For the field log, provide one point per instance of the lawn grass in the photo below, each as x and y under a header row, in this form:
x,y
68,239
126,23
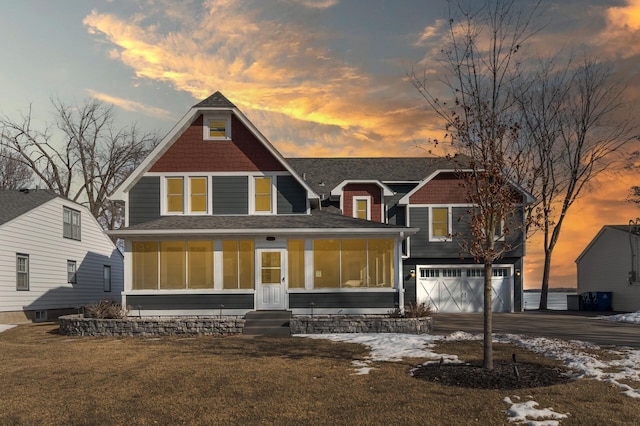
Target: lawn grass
x,y
49,379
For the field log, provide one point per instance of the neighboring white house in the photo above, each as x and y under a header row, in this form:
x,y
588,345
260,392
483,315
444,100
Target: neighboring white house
x,y
54,257
611,263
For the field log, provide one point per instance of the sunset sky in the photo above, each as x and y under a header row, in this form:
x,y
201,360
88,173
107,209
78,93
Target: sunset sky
x,y
317,77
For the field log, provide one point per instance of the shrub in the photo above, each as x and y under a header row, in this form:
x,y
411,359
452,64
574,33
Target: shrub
x,y
104,309
418,310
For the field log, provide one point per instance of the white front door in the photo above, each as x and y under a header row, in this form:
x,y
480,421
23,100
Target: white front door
x,y
272,279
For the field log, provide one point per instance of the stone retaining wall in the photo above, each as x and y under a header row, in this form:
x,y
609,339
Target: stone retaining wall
x,y
75,325
323,324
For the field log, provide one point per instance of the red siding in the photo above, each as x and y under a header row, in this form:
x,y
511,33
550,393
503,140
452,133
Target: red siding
x,y
445,188
191,153
363,189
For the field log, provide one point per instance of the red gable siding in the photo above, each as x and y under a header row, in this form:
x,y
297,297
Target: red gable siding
x,y
363,189
445,188
191,153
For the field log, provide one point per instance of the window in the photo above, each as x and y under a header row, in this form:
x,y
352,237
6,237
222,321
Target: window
x,y
238,264
71,272
71,223
217,128
263,195
361,207
439,224
362,263
296,263
145,265
173,264
175,198
106,278
22,272
200,270
198,194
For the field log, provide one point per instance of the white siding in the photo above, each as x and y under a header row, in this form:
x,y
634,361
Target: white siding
x,y
38,233
604,267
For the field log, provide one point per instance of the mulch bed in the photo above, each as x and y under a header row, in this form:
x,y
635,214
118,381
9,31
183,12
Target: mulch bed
x,y
472,375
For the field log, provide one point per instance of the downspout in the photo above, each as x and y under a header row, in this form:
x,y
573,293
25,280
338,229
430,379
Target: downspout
x,y
400,273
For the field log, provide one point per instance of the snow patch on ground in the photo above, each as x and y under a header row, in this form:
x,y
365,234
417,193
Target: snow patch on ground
x,y
5,327
633,318
526,413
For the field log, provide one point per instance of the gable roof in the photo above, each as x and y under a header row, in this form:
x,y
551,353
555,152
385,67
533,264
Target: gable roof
x,y
325,174
216,102
627,229
15,203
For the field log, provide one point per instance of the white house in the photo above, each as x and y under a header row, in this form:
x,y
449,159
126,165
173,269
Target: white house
x,y
610,263
54,257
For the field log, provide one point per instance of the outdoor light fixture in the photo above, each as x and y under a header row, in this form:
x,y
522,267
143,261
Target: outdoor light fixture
x,y
518,273
271,238
413,273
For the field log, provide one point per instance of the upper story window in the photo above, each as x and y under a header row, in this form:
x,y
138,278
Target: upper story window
x,y
72,277
217,127
71,223
263,195
439,224
198,194
175,194
362,207
22,271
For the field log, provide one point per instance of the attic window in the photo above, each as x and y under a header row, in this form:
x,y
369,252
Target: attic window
x,y
217,127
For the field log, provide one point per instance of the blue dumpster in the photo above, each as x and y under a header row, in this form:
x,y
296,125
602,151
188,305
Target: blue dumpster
x,y
601,300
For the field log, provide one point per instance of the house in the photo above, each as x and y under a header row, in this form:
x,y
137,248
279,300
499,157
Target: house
x,y
218,221
54,257
610,263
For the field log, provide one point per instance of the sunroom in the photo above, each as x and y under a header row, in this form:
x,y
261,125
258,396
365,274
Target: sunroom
x,y
322,263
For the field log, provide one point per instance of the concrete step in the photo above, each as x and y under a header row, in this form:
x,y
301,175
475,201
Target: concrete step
x,y
273,323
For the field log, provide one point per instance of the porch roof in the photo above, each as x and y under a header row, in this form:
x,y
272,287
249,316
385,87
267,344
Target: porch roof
x,y
320,222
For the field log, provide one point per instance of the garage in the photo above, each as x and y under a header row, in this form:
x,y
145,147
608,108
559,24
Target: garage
x,y
460,288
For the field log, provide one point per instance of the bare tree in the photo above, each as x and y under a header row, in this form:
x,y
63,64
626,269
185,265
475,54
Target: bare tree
x,y
83,156
576,119
479,66
14,174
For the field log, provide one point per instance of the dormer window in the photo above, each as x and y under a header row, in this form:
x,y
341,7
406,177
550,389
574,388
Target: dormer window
x,y
362,207
217,127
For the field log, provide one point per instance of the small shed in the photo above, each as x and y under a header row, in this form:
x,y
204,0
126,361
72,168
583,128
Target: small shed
x,y
611,263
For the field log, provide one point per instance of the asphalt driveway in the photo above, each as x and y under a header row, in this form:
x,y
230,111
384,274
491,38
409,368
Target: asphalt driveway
x,y
566,325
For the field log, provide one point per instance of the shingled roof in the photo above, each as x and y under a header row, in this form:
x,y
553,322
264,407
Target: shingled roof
x,y
217,100
324,174
14,203
319,220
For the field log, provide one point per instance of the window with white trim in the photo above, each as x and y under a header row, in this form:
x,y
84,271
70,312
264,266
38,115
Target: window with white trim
x,y
263,194
362,207
174,195
198,195
22,271
72,272
70,223
217,127
439,223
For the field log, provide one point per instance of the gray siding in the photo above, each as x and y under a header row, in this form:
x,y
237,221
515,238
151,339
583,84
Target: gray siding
x,y
144,200
344,300
422,247
397,215
189,301
230,195
292,197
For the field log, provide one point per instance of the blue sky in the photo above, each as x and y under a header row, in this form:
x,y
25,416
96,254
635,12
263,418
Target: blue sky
x,y
317,77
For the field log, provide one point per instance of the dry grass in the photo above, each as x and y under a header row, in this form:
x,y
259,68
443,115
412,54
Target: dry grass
x,y
46,379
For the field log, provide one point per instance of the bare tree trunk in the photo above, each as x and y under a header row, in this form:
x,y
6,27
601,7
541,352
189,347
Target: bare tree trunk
x,y
487,362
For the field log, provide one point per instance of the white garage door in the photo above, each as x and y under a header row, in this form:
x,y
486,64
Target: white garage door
x,y
460,289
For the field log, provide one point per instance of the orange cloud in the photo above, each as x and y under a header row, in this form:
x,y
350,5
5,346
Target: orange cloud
x,y
130,105
620,37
